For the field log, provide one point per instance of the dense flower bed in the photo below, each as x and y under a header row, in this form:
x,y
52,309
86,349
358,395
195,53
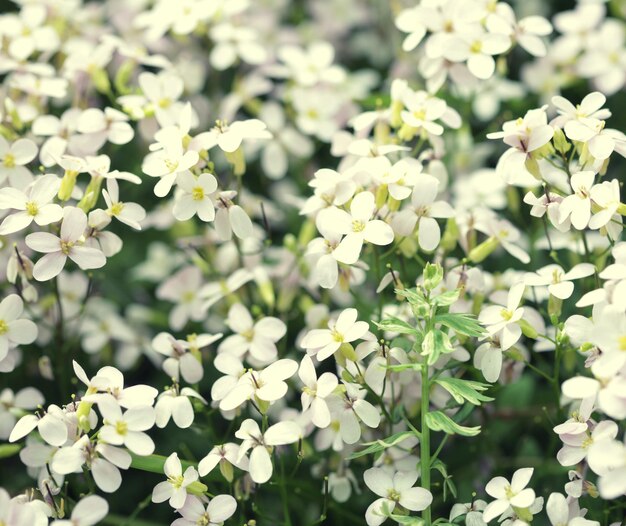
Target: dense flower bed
x,y
300,263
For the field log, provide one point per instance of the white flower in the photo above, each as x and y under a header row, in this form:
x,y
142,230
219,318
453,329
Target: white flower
x,y
176,404
589,108
577,206
183,288
558,281
14,330
108,125
217,290
231,218
175,487
226,456
103,461
168,162
352,409
108,385
508,494
476,47
219,509
87,512
51,426
324,342
524,136
13,160
232,42
261,444
230,136
577,445
560,513
393,488
422,110
357,227
267,385
130,214
607,458
183,357
34,205
411,21
68,245
502,321
488,358
315,391
195,198
311,66
11,403
257,338
127,429
423,211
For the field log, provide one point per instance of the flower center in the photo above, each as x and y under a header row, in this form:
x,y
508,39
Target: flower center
x,y
66,247
582,192
171,165
116,209
506,314
197,194
476,46
9,160
419,114
176,481
337,336
358,226
556,277
248,335
4,327
587,442
622,343
121,427
393,494
32,208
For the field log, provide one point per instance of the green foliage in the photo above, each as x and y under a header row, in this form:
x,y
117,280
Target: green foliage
x,y
381,445
438,421
465,390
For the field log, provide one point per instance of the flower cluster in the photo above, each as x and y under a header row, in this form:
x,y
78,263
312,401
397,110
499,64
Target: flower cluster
x,y
282,262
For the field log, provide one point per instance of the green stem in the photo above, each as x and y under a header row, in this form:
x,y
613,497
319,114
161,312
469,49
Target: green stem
x,y
425,440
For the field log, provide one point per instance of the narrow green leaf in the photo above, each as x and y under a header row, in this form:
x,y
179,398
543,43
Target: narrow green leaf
x,y
438,421
446,298
464,390
406,520
9,450
461,323
380,445
155,463
393,324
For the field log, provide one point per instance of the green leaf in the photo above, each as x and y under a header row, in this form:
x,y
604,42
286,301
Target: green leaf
x,y
435,343
403,367
462,323
155,463
393,324
381,445
414,297
9,450
438,421
406,520
446,298
465,390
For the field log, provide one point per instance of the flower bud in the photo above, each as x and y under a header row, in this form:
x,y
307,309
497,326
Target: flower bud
x,y
479,253
560,142
67,185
